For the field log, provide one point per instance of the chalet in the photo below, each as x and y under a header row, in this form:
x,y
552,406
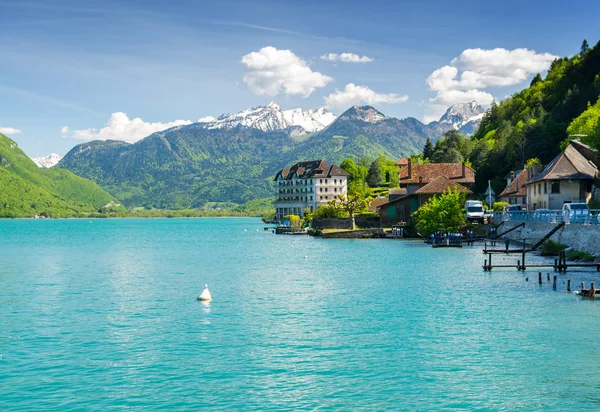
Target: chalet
x,y
516,188
566,179
415,176
400,209
307,185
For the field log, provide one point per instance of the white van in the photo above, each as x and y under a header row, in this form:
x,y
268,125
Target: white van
x,y
474,211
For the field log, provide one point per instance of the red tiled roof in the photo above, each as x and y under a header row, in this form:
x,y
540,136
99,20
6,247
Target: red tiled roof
x,y
439,185
517,187
429,171
402,162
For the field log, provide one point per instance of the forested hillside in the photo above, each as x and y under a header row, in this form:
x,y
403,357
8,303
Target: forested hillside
x,y
534,122
27,190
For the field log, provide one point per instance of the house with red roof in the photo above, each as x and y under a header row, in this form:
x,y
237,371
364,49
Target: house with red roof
x,y
515,192
420,182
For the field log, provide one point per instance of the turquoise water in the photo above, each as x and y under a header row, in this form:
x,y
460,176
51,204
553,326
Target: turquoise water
x,y
103,315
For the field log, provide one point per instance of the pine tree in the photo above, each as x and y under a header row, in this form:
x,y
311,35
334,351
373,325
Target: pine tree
x,y
584,47
374,177
428,150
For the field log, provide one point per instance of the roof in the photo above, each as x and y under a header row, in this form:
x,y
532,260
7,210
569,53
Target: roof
x,y
575,163
310,169
375,203
517,186
402,162
430,171
397,191
439,185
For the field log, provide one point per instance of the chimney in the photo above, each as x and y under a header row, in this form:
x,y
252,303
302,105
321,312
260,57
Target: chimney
x,y
464,170
420,182
409,169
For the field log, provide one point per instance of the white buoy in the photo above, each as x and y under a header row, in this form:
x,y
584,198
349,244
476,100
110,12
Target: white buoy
x,y
205,295
245,230
305,257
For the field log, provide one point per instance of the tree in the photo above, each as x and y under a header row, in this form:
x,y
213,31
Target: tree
x,y
296,222
536,79
453,147
428,150
374,177
584,47
357,172
353,204
444,212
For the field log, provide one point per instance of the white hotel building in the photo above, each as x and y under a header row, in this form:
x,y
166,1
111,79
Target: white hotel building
x,y
307,185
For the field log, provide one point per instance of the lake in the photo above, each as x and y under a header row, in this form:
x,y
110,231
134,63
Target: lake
x,y
103,314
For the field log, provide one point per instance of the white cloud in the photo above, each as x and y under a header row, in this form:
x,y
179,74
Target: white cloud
x,y
9,131
121,127
354,95
271,71
207,119
477,69
346,58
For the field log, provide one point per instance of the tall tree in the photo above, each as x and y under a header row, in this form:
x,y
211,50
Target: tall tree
x,y
584,47
374,177
352,204
428,150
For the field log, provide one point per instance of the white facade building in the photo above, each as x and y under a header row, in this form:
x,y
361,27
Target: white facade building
x,y
307,185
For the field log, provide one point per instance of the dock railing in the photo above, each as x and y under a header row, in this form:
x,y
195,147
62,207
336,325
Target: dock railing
x,y
552,216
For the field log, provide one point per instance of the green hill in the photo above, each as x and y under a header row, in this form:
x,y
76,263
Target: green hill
x,y
29,190
535,121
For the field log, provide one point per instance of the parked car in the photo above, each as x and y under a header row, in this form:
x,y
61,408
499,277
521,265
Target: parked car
x,y
474,211
576,212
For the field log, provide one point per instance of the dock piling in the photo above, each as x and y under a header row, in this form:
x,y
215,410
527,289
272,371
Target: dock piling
x,y
568,285
539,278
592,290
548,277
554,283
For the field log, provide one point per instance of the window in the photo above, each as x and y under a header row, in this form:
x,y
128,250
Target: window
x,y
540,188
335,189
334,181
325,189
325,181
321,197
320,189
534,190
320,180
555,188
545,188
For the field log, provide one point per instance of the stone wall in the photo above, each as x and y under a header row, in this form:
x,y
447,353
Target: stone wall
x,y
327,223
578,236
356,234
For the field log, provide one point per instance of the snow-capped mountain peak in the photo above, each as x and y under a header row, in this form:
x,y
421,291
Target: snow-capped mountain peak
x,y
460,114
47,161
272,117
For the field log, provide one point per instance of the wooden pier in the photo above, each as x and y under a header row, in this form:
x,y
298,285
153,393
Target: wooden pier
x,y
560,264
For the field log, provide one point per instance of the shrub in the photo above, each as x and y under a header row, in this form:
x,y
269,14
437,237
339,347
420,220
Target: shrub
x,y
579,255
499,206
444,212
551,248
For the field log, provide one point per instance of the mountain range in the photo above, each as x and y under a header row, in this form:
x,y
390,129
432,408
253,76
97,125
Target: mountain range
x,y
234,157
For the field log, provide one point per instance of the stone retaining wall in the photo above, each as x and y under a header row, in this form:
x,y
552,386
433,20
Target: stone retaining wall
x,y
578,236
356,234
327,223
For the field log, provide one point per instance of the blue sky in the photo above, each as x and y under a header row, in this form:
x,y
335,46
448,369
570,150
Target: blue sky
x,y
75,63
